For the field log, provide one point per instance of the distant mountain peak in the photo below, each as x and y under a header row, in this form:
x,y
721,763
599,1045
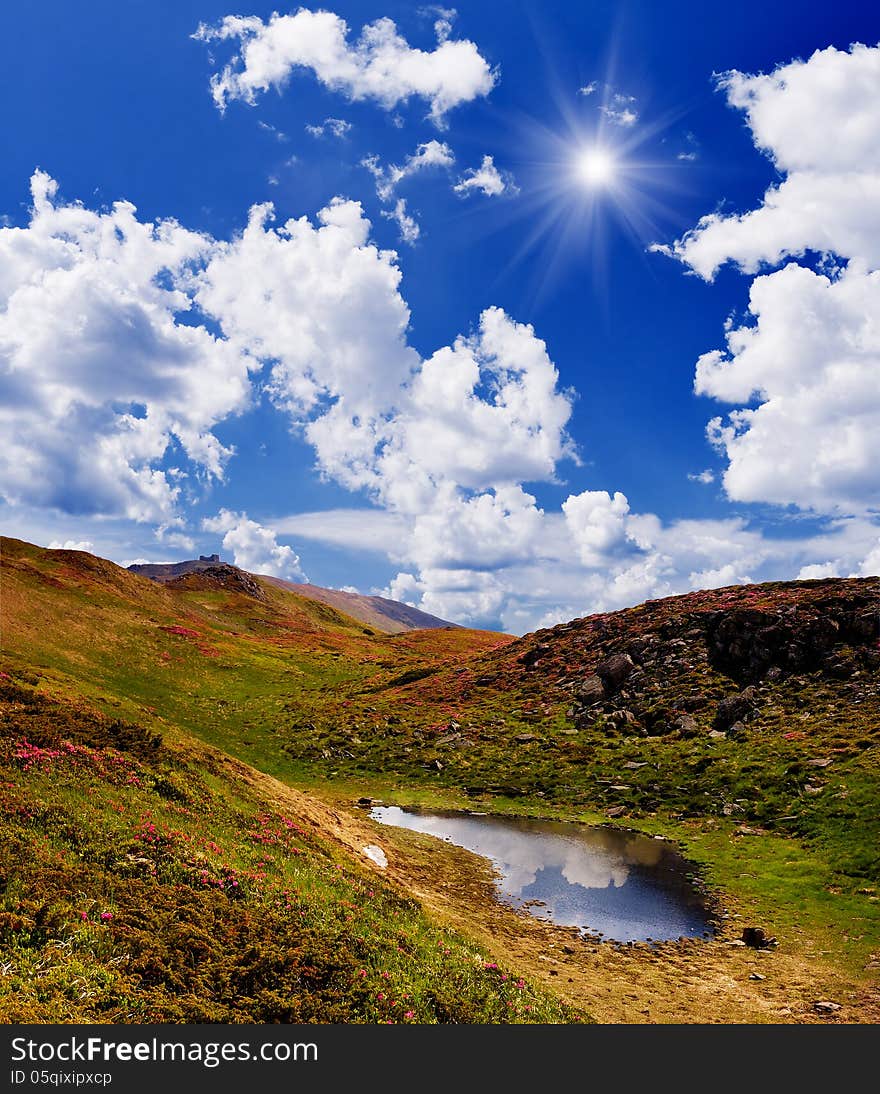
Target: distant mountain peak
x,y
378,612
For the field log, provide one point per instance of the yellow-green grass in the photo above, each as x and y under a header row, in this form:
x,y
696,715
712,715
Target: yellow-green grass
x,y
303,693
140,882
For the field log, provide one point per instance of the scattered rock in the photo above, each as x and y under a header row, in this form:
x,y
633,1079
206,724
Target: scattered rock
x,y
614,671
840,665
733,710
615,811
747,642
631,765
531,657
375,854
686,725
757,938
590,691
525,738
756,976
454,740
825,1006
222,576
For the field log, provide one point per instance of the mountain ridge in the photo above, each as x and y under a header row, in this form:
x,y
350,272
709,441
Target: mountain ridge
x,y
388,616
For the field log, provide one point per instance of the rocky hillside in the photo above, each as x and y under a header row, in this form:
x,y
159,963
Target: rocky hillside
x,y
711,662
758,703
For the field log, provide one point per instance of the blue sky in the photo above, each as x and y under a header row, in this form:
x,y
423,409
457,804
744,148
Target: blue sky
x,y
478,390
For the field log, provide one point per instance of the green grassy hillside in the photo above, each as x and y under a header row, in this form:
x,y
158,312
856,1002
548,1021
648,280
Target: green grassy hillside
x,y
743,723
236,670
146,882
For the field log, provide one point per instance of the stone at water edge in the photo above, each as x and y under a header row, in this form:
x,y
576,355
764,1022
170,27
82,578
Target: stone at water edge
x,y
757,938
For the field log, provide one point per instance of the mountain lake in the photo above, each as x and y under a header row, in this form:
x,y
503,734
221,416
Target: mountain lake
x,y
618,885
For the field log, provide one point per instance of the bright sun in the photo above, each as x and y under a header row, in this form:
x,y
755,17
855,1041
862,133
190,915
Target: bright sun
x,y
595,167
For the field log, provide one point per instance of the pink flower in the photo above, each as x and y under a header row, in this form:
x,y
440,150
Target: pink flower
x,y
410,1014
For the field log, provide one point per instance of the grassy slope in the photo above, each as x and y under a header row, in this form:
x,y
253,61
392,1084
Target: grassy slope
x,y
145,882
442,717
233,670
142,879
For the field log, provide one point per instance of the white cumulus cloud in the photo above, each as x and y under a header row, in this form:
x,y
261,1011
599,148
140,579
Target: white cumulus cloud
x,y
380,65
811,359
596,522
388,177
805,365
620,110
819,122
71,545
335,127
254,547
406,223
320,302
431,153
103,371
486,179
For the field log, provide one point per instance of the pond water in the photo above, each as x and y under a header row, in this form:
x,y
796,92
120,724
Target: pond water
x,y
621,885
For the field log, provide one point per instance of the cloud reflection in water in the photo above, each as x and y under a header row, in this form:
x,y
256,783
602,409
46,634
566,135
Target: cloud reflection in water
x,y
626,886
